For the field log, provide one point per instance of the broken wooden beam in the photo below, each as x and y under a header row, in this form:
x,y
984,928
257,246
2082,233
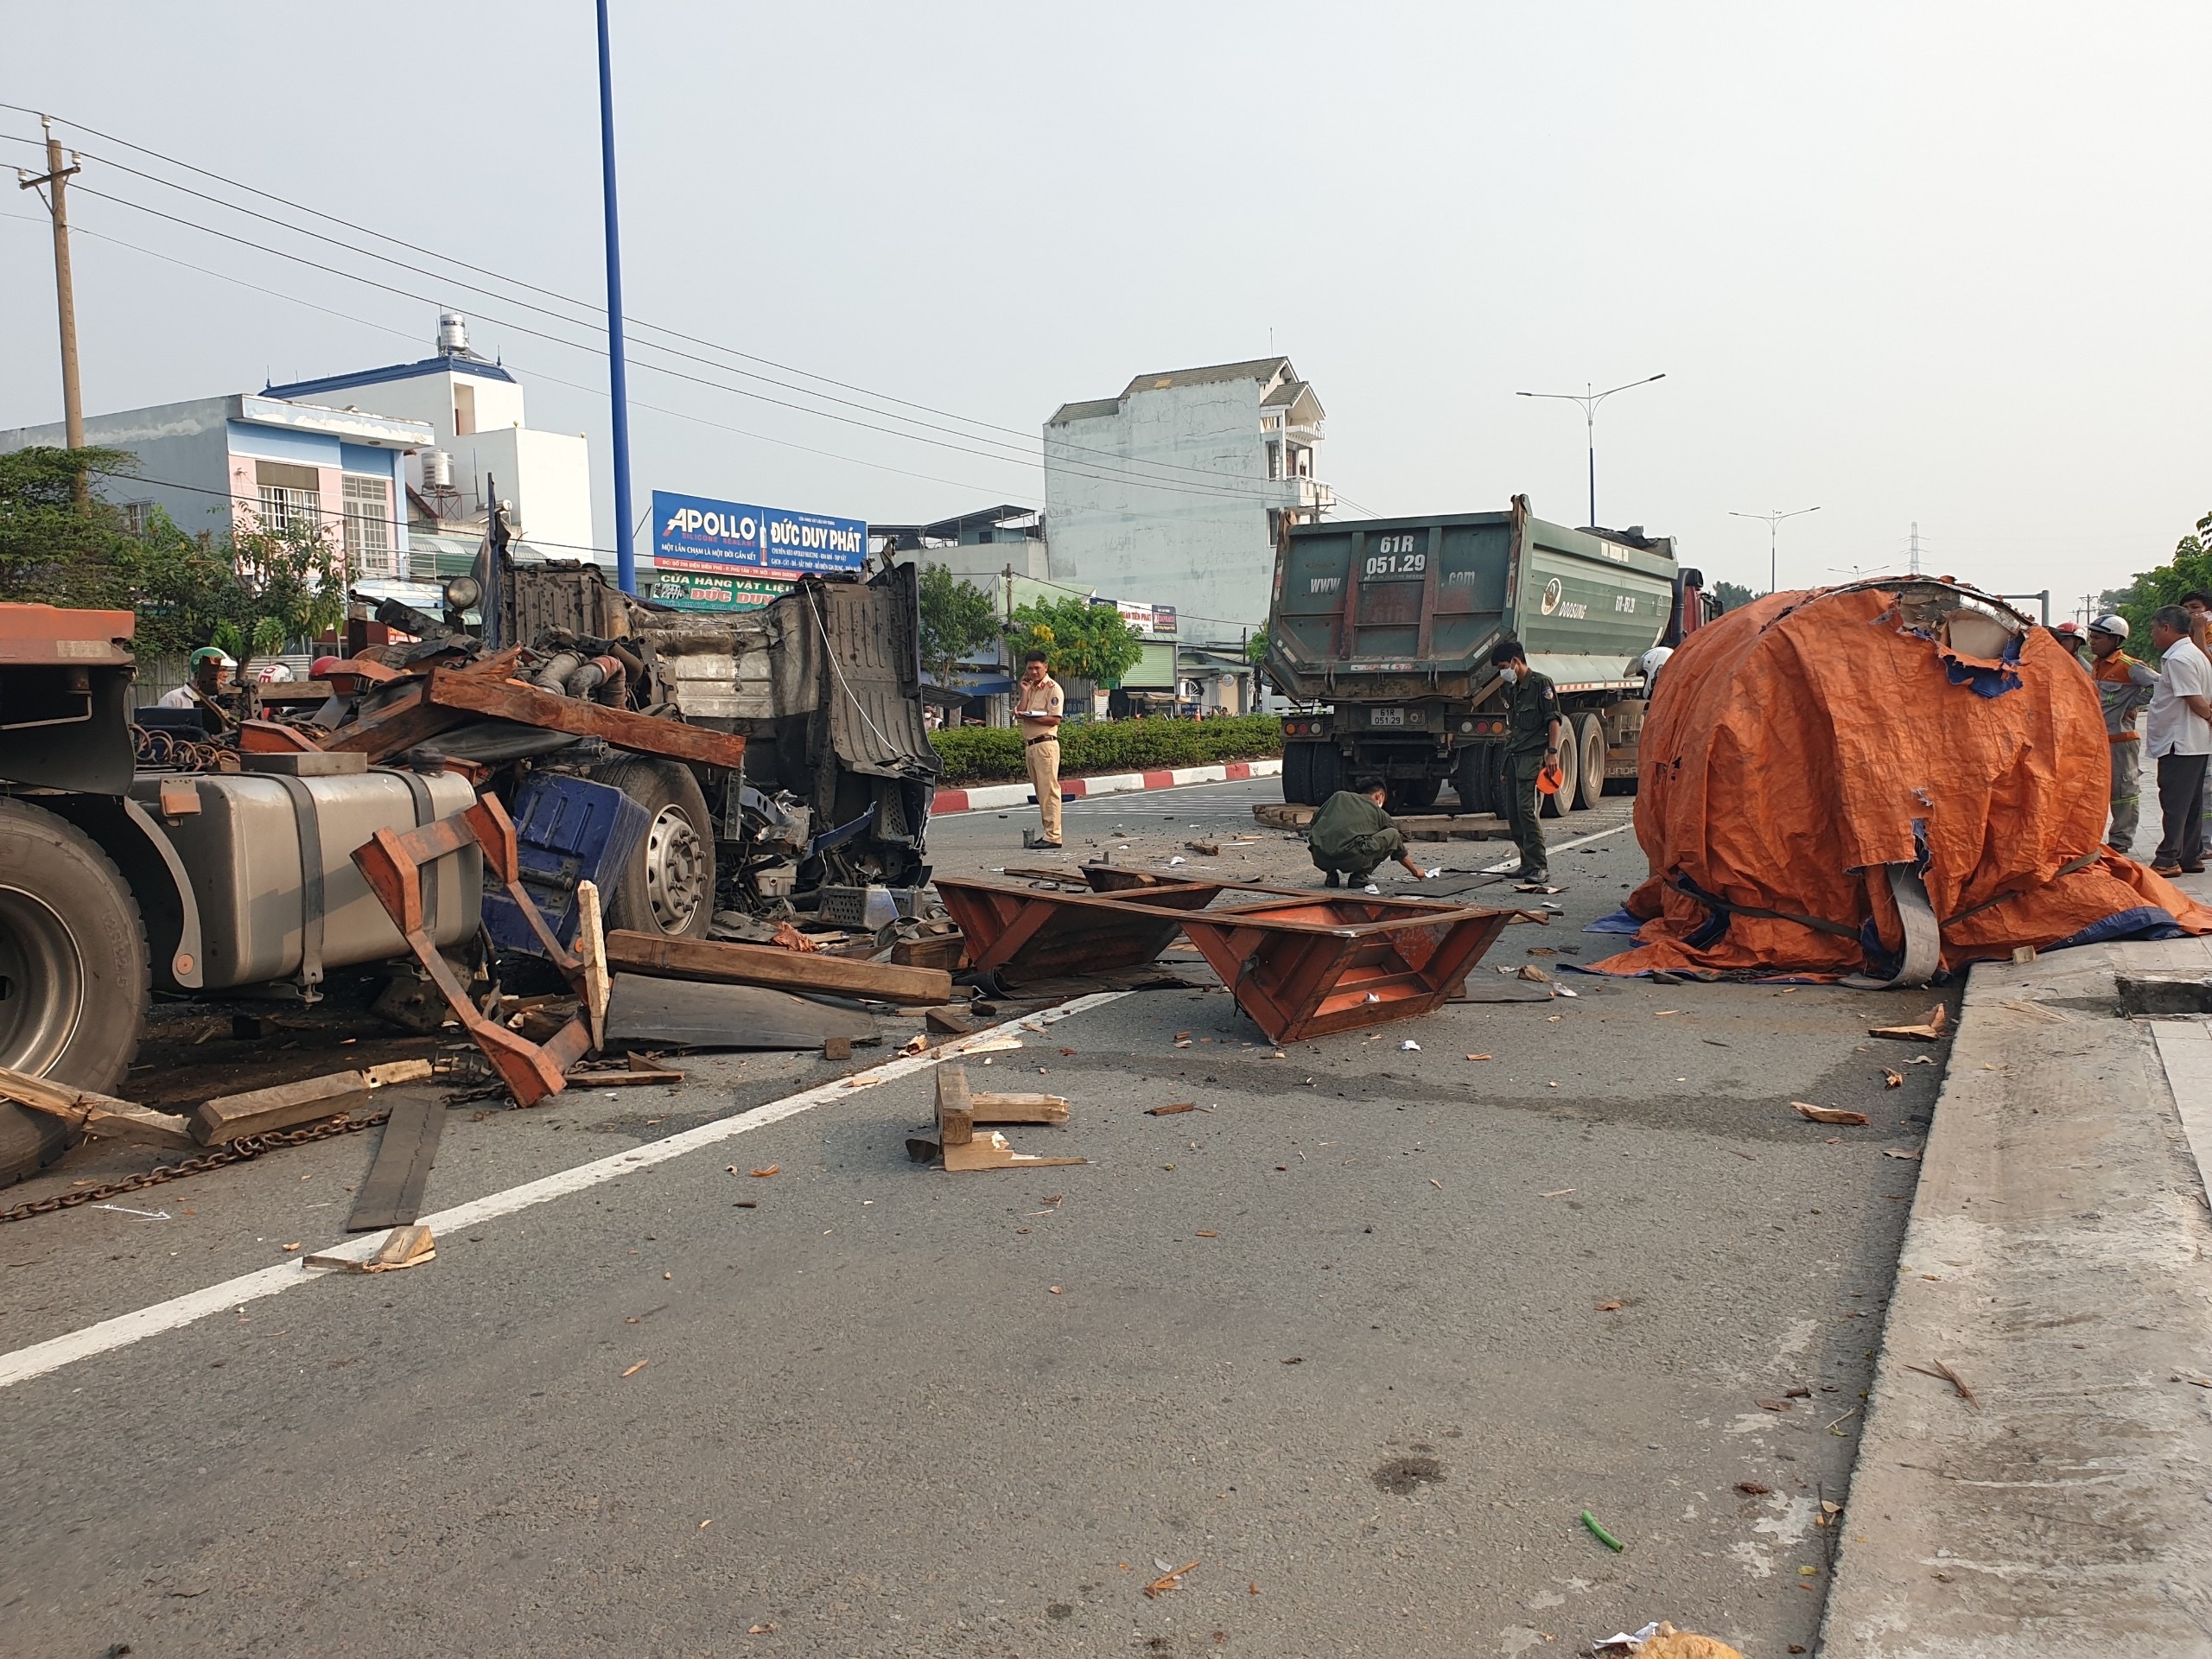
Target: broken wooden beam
x,y
946,951
959,1109
259,1111
96,1114
505,699
719,963
590,946
1017,1109
405,1247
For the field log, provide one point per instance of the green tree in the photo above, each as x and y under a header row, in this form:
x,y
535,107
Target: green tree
x,y
957,618
2190,568
1255,648
1732,596
54,549
1080,640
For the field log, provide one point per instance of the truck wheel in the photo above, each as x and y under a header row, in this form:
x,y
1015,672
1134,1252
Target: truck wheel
x,y
1470,779
668,888
1591,739
1298,774
1414,794
73,977
1326,774
1570,768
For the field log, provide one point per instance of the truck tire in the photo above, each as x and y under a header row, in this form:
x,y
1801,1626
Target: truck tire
x,y
668,888
1570,768
73,973
1470,779
1591,740
1298,774
1414,794
1326,776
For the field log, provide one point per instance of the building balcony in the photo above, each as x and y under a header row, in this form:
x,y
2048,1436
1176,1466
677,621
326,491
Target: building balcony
x,y
1308,494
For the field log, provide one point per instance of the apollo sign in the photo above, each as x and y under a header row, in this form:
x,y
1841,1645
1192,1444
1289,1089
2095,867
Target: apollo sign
x,y
747,553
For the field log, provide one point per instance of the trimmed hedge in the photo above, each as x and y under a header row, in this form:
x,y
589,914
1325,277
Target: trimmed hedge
x,y
979,755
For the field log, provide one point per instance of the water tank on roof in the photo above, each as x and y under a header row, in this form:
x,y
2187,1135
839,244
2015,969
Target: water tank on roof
x,y
453,331
437,470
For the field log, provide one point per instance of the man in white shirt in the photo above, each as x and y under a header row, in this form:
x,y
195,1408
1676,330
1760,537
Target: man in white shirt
x,y
1036,708
2179,738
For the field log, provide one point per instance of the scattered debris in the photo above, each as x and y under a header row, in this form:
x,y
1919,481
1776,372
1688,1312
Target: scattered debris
x,y
717,963
98,1115
1614,1307
1172,1108
958,1110
1203,849
635,1369
1892,1079
1931,1028
764,1172
406,1247
836,1048
230,1117
1478,1057
1752,1488
1169,1581
644,1011
1828,1114
1601,1535
1534,973
1409,1046
1944,1373
1899,1152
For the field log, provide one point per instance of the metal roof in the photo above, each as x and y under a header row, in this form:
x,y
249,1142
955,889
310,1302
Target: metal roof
x,y
1272,372
443,362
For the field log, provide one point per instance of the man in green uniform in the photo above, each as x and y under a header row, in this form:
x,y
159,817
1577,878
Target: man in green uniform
x,y
1532,745
1351,834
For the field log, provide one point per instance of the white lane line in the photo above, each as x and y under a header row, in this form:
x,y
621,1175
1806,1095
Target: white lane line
x,y
1562,847
124,1329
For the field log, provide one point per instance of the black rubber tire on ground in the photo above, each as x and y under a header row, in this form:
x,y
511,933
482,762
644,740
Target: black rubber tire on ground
x,y
74,974
1590,732
668,888
1472,769
1327,774
1298,774
1558,805
1414,794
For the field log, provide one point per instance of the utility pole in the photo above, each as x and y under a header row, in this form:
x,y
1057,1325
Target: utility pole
x,y
617,374
56,178
1590,398
1773,521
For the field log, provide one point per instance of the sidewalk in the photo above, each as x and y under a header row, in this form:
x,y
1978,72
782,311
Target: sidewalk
x,y
994,796
2059,1260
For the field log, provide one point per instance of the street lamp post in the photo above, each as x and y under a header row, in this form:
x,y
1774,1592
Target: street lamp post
x,y
1590,399
618,377
1772,521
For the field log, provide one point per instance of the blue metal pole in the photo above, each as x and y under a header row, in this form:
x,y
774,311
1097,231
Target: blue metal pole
x,y
617,377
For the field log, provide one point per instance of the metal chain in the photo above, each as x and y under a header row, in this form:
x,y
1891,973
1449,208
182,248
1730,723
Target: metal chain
x,y
233,1152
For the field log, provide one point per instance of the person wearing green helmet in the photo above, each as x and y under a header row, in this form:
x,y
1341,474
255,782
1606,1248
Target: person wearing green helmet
x,y
209,664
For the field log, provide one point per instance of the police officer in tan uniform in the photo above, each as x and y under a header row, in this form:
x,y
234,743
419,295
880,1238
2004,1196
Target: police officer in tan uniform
x,y
1036,708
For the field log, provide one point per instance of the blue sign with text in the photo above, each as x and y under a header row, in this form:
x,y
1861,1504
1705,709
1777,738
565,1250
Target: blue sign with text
x,y
730,537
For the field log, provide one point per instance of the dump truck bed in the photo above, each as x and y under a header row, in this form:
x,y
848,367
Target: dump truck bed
x,y
1397,608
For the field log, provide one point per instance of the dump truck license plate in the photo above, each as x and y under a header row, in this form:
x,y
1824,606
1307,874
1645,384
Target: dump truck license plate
x,y
1387,717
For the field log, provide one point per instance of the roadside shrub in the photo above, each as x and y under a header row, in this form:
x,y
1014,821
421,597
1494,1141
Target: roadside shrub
x,y
981,754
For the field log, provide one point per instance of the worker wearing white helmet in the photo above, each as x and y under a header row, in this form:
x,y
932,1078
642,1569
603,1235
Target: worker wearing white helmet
x,y
2124,685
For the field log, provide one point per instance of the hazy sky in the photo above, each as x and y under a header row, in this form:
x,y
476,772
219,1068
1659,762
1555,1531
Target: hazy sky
x,y
1918,262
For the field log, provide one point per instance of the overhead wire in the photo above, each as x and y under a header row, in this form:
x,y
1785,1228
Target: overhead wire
x,y
1202,474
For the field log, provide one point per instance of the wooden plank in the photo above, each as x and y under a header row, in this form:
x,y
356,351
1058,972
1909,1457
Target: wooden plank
x,y
720,962
230,1117
503,699
391,1194
391,1071
952,1020
407,719
989,1151
98,1114
956,1119
946,951
590,946
1017,1109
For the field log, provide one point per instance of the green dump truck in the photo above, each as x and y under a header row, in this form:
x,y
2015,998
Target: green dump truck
x,y
1381,631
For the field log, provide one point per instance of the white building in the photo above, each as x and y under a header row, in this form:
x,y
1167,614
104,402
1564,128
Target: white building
x,y
216,461
473,408
1174,493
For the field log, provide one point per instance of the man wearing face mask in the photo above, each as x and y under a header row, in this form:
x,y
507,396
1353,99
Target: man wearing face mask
x,y
1532,745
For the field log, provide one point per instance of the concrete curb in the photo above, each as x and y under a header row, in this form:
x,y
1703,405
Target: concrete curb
x,y
2059,1260
994,796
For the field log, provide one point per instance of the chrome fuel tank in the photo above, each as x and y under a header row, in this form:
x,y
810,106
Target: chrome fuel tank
x,y
242,848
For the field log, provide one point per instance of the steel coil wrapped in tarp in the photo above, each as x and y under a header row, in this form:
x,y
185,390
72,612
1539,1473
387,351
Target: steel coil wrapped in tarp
x,y
1814,763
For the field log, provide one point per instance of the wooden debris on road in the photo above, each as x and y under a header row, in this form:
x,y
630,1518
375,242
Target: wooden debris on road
x,y
590,947
392,1071
1943,1373
98,1114
951,1020
960,1109
391,1194
408,1246
1827,1113
948,951
1931,1028
718,962
1202,848
1167,1582
232,1117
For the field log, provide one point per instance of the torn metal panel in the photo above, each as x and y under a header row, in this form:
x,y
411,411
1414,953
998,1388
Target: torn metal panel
x,y
686,1014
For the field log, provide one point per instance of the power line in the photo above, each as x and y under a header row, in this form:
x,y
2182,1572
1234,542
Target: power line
x,y
1197,473
1229,491
552,379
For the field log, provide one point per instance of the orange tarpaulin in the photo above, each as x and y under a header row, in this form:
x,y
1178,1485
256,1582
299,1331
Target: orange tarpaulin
x,y
1800,749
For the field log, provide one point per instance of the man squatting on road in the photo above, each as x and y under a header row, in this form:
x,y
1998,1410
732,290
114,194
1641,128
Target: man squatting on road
x,y
1531,745
1352,835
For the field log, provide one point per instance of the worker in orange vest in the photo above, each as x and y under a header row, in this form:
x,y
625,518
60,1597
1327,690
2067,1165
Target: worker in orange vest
x,y
2124,685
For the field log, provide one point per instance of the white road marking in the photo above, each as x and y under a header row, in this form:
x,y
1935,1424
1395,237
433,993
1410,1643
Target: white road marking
x,y
52,1355
1562,847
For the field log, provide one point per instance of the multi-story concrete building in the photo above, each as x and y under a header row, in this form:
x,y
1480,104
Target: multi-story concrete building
x,y
473,408
1174,493
216,461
